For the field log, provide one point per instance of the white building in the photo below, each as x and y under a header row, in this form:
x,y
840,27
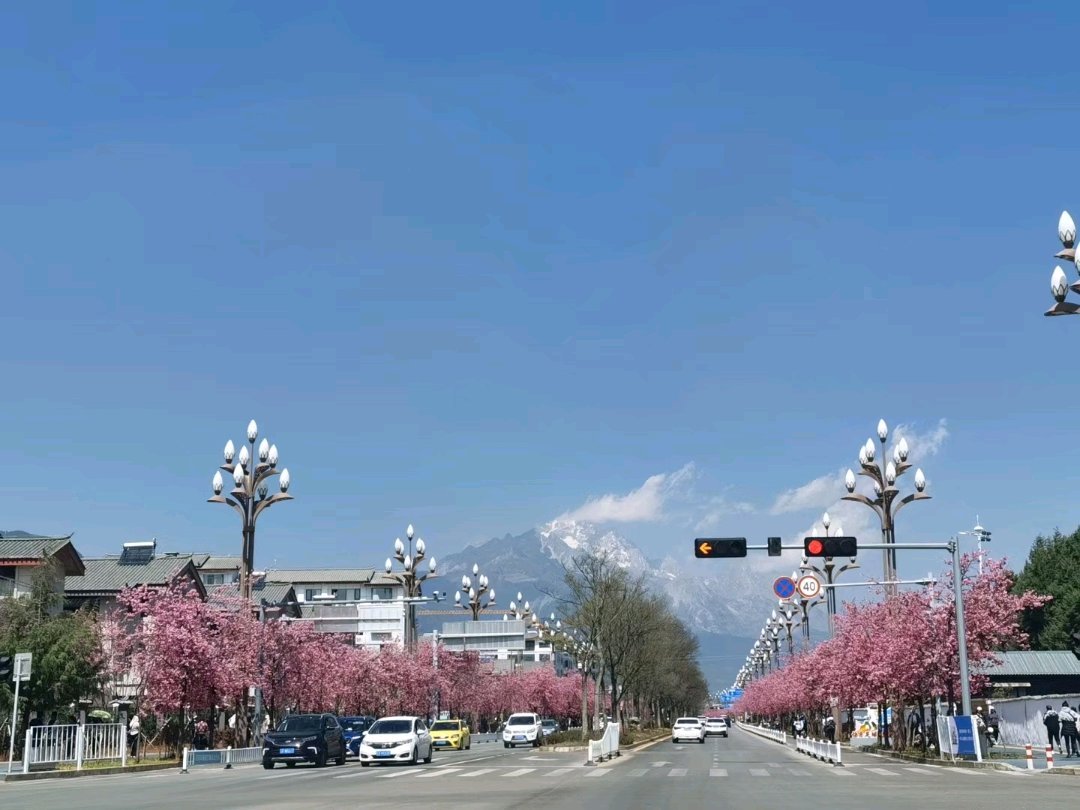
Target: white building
x,y
510,645
363,602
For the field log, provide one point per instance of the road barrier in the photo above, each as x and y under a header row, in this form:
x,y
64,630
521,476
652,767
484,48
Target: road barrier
x,y
1030,757
768,733
1049,757
606,746
74,743
819,749
226,757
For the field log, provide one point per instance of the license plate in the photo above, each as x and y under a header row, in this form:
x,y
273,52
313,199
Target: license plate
x,y
442,742
288,750
382,753
519,737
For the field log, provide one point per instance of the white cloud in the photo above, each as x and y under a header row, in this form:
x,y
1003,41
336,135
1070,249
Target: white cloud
x,y
817,494
718,507
921,445
644,504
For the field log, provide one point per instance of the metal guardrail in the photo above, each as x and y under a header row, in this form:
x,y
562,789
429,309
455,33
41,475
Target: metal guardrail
x,y
74,743
767,733
606,746
225,757
819,749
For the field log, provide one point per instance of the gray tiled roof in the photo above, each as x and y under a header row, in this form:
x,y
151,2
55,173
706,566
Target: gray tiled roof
x,y
319,575
23,546
216,562
273,592
107,575
1029,662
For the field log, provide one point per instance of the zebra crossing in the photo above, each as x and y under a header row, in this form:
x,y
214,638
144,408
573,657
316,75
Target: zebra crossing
x,y
717,770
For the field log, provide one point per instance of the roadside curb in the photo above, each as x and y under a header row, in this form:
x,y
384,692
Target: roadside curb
x,y
36,776
960,763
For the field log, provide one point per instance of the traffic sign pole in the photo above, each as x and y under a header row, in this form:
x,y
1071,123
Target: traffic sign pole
x,y
14,721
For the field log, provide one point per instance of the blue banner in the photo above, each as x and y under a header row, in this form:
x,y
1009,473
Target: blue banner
x,y
966,741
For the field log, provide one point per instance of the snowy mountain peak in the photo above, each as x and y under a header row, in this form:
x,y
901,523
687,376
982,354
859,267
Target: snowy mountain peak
x,y
566,538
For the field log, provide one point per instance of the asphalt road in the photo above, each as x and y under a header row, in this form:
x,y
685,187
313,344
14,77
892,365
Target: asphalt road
x,y
742,771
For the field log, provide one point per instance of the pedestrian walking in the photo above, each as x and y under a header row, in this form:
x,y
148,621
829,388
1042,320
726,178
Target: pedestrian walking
x,y
799,725
202,735
1069,720
1053,728
829,726
133,734
993,724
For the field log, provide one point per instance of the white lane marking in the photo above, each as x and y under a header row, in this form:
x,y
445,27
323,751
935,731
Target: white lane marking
x,y
466,761
929,771
842,772
883,772
717,772
518,772
797,772
561,772
289,773
637,772
595,774
433,774
394,774
758,772
348,775
479,772
677,772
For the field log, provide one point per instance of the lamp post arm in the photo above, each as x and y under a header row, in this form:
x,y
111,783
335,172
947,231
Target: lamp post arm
x,y
230,502
914,496
266,503
858,498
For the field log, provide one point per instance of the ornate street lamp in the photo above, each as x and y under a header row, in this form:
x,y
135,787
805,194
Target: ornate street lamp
x,y
249,496
829,570
886,502
410,580
1059,283
475,593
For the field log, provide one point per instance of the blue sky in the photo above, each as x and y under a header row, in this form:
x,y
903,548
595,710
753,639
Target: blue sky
x,y
473,267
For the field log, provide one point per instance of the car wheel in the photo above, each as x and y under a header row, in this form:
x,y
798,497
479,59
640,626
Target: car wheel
x,y
415,757
469,746
364,764
290,764
341,759
268,765
320,758
506,745
430,751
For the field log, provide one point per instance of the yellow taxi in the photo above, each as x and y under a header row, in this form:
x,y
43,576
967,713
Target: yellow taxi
x,y
451,734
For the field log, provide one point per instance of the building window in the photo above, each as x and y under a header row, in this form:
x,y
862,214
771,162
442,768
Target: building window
x,y
214,579
382,636
309,595
341,594
356,594
382,593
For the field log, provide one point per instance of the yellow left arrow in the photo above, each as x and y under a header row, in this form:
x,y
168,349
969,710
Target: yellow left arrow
x,y
704,547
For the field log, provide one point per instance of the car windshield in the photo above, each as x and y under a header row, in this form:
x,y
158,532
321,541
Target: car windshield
x,y
549,723
353,723
391,727
446,725
687,722
301,723
521,720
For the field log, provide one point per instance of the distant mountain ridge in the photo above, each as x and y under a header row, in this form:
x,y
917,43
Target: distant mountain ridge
x,y
724,606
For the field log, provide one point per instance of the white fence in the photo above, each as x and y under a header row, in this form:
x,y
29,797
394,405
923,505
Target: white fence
x,y
226,757
606,746
91,742
768,733
819,749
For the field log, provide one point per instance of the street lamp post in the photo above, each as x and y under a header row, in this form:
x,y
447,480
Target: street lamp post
x,y
981,536
830,572
475,593
410,580
249,496
788,611
886,502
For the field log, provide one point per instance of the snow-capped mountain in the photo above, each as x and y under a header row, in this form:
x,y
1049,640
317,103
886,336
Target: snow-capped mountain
x,y
723,603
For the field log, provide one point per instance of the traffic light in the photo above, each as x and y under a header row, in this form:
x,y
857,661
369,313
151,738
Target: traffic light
x,y
774,547
830,546
5,667
720,547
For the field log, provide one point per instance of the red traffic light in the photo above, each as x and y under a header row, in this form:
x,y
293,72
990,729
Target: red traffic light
x,y
830,546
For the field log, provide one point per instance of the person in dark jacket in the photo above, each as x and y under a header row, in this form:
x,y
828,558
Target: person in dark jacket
x,y
1053,728
1069,721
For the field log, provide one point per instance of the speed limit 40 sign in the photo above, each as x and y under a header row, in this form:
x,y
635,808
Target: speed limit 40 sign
x,y
808,587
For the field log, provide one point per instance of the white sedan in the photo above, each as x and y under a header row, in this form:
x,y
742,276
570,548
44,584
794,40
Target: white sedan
x,y
523,728
396,739
688,729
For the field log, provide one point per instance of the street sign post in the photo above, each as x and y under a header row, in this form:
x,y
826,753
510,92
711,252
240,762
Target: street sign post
x,y
20,673
808,587
784,587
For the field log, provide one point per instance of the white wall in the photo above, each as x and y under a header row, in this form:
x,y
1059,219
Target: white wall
x,y
1022,718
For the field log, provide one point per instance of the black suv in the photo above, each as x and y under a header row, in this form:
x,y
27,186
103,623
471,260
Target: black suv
x,y
305,738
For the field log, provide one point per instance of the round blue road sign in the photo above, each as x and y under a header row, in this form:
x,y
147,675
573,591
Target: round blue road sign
x,y
784,587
